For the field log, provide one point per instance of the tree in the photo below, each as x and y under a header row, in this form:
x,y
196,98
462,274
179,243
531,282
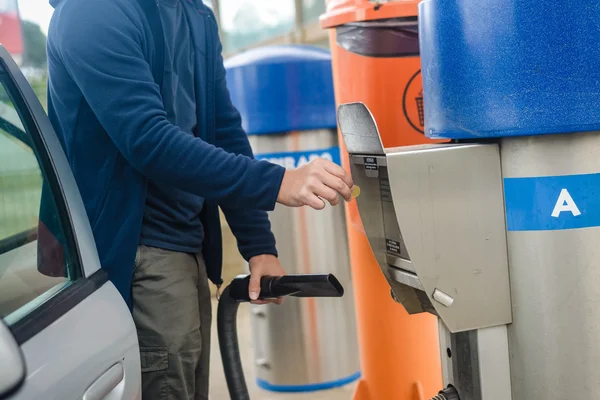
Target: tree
x,y
34,42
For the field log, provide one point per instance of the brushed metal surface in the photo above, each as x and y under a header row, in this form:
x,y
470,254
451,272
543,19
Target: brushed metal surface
x,y
307,341
476,362
405,278
555,281
374,217
361,137
359,129
400,263
494,364
449,206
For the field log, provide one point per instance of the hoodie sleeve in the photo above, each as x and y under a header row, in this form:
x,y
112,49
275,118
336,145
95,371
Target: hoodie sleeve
x,y
102,45
251,228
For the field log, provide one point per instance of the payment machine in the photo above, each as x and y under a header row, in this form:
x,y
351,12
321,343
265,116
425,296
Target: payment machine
x,y
496,231
434,216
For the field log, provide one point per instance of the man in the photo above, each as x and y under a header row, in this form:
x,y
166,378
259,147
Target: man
x,y
138,97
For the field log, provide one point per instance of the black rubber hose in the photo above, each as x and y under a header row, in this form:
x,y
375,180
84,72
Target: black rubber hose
x,y
449,393
230,349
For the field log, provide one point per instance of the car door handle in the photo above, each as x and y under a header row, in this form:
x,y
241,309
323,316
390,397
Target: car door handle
x,y
108,382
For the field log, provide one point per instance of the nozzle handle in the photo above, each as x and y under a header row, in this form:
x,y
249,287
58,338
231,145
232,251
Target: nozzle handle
x,y
289,285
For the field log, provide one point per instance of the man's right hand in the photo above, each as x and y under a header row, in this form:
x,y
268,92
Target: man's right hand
x,y
313,183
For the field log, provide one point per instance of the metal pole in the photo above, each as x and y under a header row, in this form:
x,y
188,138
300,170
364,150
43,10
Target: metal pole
x,y
299,21
217,10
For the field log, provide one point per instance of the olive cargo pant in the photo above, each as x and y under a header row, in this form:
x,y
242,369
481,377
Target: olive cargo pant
x,y
172,313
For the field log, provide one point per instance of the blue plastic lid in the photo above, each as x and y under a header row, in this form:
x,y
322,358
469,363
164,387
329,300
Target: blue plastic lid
x,y
282,89
509,68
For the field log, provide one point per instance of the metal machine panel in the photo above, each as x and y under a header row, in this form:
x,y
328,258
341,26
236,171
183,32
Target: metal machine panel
x,y
373,216
368,168
476,363
554,258
449,205
359,129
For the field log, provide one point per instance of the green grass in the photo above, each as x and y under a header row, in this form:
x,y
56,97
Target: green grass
x,y
40,87
20,195
20,178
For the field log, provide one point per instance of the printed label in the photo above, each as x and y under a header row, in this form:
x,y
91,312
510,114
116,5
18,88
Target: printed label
x,y
392,246
371,164
292,160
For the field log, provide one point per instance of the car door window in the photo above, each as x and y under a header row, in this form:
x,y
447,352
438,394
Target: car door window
x,y
37,257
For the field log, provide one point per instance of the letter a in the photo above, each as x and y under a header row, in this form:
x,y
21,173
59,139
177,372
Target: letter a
x,y
565,203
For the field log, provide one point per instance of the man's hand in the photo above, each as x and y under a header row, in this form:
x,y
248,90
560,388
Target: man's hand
x,y
313,183
263,265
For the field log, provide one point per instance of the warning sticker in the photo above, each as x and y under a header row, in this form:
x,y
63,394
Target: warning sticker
x,y
412,103
371,164
392,246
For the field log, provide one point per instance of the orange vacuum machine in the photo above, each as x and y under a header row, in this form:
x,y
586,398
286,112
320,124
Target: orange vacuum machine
x,y
375,50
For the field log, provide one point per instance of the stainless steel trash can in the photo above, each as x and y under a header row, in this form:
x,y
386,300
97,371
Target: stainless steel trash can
x,y
285,97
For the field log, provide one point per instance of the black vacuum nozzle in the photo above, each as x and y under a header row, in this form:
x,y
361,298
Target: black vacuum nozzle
x,y
289,285
270,287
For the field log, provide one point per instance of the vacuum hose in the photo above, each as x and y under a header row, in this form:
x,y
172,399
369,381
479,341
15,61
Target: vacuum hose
x,y
270,287
449,393
229,346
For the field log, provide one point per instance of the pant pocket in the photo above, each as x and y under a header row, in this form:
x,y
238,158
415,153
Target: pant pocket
x,y
138,258
155,364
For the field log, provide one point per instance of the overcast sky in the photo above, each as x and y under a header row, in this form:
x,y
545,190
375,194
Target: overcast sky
x,y
271,11
38,11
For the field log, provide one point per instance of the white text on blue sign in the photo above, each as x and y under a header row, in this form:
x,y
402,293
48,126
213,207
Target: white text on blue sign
x,y
293,160
552,202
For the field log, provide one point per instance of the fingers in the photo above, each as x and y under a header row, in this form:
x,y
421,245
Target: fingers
x,y
328,180
312,184
338,185
339,172
326,193
256,289
322,185
254,286
311,199
261,266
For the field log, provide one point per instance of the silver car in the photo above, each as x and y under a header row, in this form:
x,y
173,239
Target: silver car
x,y
66,332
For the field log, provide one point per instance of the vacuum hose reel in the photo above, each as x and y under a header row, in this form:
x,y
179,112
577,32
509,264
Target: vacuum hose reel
x,y
270,287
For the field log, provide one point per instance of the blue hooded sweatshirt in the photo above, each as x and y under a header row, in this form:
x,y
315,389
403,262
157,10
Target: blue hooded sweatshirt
x,y
105,63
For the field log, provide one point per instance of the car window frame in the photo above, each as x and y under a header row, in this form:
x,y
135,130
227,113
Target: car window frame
x,y
76,229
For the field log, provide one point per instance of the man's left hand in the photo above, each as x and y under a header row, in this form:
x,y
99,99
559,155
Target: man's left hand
x,y
263,265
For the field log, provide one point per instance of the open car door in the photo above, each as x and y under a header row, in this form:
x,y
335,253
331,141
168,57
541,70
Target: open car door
x,y
73,328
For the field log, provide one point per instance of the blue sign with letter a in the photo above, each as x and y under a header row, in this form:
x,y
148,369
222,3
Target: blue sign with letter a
x,y
552,202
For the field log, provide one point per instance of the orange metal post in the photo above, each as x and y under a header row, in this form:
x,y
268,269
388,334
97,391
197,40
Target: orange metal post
x,y
400,359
